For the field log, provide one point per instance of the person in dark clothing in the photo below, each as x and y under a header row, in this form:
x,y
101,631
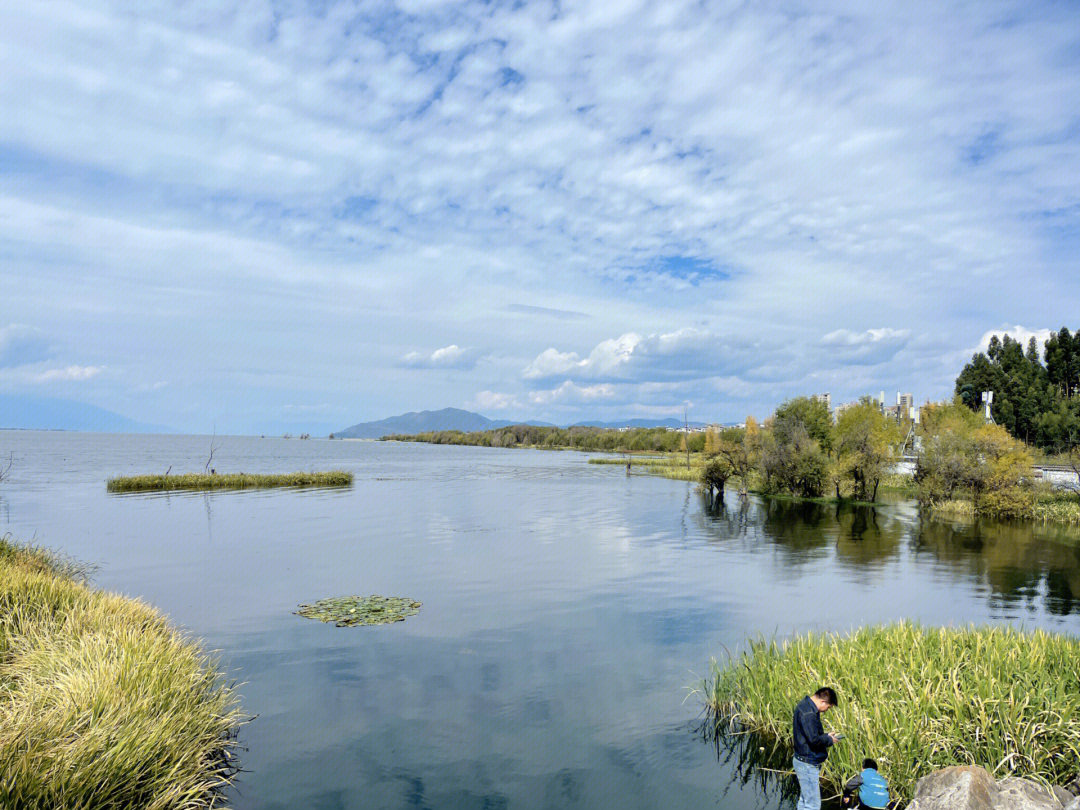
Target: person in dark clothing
x,y
811,745
871,786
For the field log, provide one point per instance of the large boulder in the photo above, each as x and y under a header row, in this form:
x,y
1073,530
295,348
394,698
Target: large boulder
x,y
961,787
1021,794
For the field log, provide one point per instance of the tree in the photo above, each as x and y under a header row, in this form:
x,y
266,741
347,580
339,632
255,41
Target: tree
x,y
814,416
714,475
866,442
961,455
790,459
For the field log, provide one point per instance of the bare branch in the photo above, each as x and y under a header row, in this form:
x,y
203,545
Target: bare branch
x,y
4,472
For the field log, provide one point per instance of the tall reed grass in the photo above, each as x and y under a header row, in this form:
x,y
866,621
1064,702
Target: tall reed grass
x,y
201,481
916,699
102,703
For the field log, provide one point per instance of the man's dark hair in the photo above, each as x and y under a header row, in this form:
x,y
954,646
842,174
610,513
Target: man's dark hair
x,y
826,693
869,763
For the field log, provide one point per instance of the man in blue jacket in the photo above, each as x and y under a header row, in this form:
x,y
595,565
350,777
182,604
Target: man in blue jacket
x,y
811,745
871,786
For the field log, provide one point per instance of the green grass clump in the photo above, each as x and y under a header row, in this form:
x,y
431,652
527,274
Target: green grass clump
x,y
102,703
200,481
917,699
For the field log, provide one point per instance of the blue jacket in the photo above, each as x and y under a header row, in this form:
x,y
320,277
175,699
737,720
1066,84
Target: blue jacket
x,y
811,741
872,787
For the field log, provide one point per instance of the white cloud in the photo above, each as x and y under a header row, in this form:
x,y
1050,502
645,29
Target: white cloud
x,y
1018,333
451,356
569,392
866,348
684,353
300,181
68,374
493,401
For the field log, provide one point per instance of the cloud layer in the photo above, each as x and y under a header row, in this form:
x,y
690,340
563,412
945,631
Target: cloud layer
x,y
294,206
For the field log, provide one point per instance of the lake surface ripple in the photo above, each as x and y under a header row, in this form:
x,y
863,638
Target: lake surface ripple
x,y
568,608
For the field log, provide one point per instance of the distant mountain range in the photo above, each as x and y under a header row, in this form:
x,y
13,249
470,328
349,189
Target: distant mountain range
x,y
467,421
26,412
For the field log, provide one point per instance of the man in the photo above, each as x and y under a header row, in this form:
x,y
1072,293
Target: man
x,y
811,745
871,786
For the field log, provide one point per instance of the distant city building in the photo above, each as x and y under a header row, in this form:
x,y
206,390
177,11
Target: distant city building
x,y
903,409
826,398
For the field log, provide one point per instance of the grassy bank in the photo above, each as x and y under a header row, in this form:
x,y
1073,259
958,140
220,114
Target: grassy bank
x,y
200,481
102,703
1048,506
917,699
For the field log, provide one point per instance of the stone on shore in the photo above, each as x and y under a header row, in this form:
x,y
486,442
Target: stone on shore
x,y
961,787
969,787
1023,794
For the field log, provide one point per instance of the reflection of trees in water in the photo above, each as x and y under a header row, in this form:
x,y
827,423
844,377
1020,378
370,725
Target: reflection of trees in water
x,y
1011,557
726,517
1018,562
864,536
753,760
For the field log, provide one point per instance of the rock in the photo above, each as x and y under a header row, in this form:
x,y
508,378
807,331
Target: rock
x,y
1074,786
962,787
1022,794
1063,795
1074,804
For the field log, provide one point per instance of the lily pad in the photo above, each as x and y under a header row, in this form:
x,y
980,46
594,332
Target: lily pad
x,y
350,611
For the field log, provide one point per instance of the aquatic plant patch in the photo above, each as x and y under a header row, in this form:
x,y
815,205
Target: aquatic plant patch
x,y
209,481
351,611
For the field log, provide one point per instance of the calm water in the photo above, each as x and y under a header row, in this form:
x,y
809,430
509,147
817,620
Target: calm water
x,y
567,608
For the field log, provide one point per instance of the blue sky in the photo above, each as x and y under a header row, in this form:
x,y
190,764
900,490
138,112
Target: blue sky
x,y
267,216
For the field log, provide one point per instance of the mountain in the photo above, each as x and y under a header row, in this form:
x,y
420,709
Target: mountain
x,y
421,422
26,412
467,421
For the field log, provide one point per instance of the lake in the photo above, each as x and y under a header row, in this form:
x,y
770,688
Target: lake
x,y
568,610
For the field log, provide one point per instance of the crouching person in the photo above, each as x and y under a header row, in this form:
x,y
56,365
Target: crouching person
x,y
871,787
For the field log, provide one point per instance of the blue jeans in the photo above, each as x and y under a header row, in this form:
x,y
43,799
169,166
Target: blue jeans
x,y
809,785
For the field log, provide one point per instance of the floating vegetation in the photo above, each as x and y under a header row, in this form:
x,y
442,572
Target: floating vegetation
x,y
350,611
200,481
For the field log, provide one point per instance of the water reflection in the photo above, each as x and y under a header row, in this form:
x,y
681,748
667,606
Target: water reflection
x,y
1017,564
567,609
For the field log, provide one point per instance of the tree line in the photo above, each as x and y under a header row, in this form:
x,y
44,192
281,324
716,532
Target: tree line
x,y
800,450
1036,394
634,440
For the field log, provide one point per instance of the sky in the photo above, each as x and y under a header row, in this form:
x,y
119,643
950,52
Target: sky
x,y
257,217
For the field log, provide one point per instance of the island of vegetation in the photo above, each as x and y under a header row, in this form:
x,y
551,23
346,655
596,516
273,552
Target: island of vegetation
x,y
918,699
209,481
104,704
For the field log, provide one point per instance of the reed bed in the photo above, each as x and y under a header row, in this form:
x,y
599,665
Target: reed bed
x,y
210,481
916,699
102,703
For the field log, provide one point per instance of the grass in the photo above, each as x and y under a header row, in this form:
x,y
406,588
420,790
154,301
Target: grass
x,y
1050,506
200,481
916,699
102,703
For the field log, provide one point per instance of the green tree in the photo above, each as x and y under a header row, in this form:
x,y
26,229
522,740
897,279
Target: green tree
x,y
866,446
